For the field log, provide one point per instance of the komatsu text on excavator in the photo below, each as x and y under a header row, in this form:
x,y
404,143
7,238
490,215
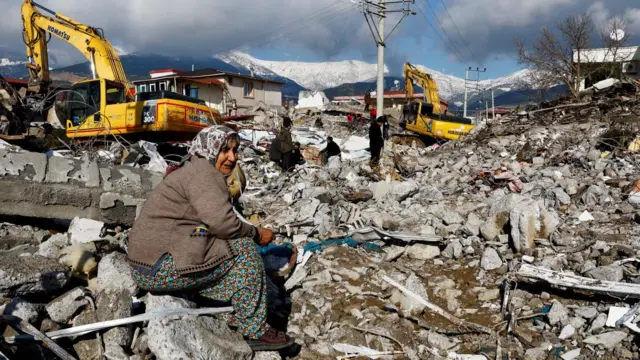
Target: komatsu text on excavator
x,y
426,118
105,105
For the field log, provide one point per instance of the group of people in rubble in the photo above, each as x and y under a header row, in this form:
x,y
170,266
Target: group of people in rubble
x,y
287,154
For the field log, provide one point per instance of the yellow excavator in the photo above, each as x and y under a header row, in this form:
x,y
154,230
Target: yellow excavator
x,y
426,118
105,104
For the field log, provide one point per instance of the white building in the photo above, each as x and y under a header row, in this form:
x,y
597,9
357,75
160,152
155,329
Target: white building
x,y
217,88
628,59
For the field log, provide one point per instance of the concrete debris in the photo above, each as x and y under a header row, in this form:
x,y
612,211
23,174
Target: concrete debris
x,y
607,340
30,275
181,337
490,259
62,308
114,273
424,250
85,230
22,309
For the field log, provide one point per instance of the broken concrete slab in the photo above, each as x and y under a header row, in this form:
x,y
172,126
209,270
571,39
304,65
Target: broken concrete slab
x,y
490,259
30,275
607,340
181,337
26,165
22,309
58,170
114,273
84,230
65,306
422,252
408,304
111,305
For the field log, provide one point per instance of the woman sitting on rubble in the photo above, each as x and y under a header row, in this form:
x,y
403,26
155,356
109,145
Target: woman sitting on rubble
x,y
188,238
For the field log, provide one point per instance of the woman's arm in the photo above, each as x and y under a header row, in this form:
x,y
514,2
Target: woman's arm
x,y
209,197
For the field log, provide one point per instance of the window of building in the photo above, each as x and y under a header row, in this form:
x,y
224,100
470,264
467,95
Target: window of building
x,y
193,92
143,88
163,86
152,87
248,89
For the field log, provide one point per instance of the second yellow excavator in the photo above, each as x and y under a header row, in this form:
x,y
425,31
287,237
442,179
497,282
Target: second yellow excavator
x,y
105,104
426,118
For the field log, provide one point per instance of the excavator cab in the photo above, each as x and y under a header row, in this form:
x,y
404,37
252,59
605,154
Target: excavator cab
x,y
88,101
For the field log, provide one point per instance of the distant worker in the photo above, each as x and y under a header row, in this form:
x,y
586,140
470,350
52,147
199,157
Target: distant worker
x,y
286,144
234,106
385,128
296,157
367,100
332,149
376,141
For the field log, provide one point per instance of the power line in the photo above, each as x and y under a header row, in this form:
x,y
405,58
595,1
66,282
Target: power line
x,y
442,27
445,43
459,33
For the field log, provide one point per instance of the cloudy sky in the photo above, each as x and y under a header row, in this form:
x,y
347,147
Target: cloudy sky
x,y
476,32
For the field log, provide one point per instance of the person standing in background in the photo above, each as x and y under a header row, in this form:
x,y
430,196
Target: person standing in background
x,y
286,143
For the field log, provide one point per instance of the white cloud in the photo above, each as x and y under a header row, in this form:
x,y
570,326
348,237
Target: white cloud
x,y
489,26
203,27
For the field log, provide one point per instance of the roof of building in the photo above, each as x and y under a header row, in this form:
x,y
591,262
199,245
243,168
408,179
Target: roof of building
x,y
202,73
392,94
208,81
165,70
16,81
603,55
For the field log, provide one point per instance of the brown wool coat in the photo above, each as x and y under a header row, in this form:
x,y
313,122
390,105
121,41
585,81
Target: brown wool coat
x,y
195,194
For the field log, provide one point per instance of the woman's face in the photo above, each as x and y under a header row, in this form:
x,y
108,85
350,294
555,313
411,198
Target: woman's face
x,y
228,157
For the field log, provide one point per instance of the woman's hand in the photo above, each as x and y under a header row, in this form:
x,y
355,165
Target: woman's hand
x,y
266,236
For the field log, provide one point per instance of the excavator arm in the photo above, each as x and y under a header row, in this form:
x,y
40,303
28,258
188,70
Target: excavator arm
x,y
90,41
425,81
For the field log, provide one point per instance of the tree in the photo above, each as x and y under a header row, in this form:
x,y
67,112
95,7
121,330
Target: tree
x,y
563,56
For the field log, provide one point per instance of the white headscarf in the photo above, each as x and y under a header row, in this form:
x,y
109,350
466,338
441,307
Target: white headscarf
x,y
210,141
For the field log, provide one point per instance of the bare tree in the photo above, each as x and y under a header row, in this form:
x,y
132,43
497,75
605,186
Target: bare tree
x,y
538,82
563,56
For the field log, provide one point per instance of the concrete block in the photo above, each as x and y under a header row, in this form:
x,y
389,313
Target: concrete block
x,y
132,177
59,169
105,176
27,165
30,275
85,230
89,172
108,200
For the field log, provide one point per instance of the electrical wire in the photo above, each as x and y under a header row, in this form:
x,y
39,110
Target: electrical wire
x,y
443,29
460,58
460,33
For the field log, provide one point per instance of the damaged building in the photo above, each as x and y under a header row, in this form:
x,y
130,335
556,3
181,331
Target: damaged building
x,y
217,88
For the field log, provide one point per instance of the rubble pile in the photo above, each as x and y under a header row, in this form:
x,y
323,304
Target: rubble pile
x,y
520,241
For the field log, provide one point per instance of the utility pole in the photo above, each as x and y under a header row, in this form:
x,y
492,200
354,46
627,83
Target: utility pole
x,y
466,78
380,82
380,10
493,105
486,104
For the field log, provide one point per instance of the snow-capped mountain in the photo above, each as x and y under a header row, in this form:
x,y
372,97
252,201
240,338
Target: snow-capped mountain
x,y
326,75
310,75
